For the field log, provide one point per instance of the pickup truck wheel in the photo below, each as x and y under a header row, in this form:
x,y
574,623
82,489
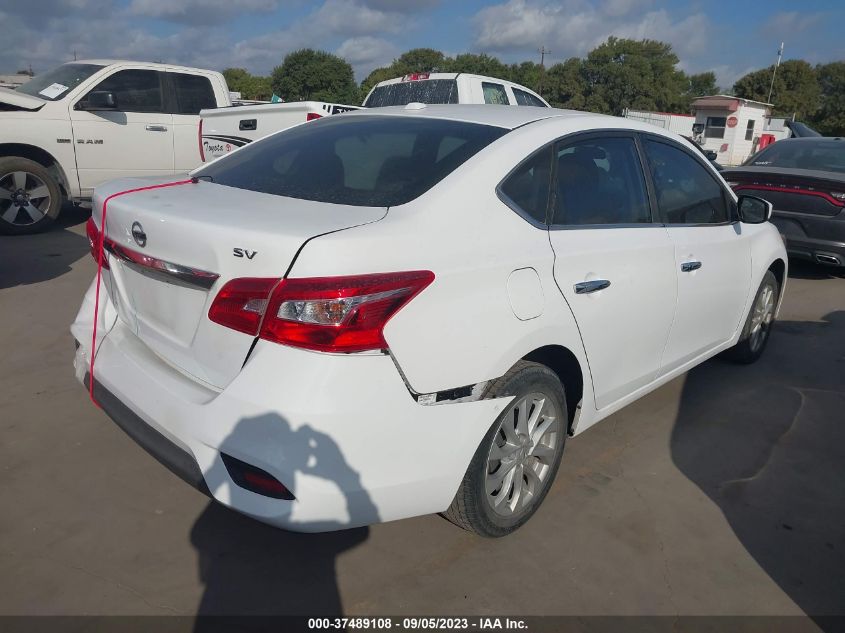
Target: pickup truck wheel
x,y
30,197
516,463
758,324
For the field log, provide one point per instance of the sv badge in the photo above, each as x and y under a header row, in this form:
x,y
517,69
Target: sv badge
x,y
242,252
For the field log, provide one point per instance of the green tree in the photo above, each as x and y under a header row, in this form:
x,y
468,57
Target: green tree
x,y
830,117
250,86
478,64
796,89
565,85
528,74
637,74
699,85
419,60
309,74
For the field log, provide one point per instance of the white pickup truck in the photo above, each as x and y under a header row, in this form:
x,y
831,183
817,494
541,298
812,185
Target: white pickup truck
x,y
72,128
225,129
451,88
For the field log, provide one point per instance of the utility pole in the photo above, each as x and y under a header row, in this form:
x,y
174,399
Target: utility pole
x,y
543,52
774,72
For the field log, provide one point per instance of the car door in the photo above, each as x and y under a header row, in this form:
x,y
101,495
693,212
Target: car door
x,y
135,139
614,265
192,93
712,254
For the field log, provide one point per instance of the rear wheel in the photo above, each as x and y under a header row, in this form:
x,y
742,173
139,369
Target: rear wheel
x,y
516,463
30,197
758,324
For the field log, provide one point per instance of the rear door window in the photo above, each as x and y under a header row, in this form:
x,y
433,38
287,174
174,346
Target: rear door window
x,y
193,93
527,99
354,160
494,94
599,181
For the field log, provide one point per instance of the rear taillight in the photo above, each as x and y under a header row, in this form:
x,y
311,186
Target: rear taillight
x,y
327,314
199,142
313,115
94,242
241,303
416,77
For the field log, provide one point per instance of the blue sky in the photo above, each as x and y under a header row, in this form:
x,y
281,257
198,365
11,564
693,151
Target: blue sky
x,y
728,38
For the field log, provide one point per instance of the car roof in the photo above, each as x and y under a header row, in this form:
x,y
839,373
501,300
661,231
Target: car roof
x,y
131,62
505,116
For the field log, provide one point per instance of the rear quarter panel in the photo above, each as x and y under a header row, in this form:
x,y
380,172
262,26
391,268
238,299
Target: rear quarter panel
x,y
462,329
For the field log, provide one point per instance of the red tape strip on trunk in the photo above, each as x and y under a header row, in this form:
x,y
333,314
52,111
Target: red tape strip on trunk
x,y
100,256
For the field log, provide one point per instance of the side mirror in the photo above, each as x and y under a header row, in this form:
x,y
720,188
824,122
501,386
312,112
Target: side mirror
x,y
99,100
754,210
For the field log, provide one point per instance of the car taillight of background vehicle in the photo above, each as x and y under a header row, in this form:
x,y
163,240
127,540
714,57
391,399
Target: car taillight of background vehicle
x,y
313,115
327,314
199,141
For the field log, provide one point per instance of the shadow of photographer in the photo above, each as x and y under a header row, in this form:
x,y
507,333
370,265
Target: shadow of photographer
x,y
249,568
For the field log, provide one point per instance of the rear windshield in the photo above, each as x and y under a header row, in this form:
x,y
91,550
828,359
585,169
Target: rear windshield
x,y
828,155
368,161
55,84
426,91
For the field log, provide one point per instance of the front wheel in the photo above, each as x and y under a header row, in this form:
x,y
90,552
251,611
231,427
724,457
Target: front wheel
x,y
516,463
30,197
758,324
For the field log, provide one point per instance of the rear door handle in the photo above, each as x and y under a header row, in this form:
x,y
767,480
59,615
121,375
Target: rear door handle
x,y
586,287
156,128
688,267
248,124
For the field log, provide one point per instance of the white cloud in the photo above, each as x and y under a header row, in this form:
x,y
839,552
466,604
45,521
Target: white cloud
x,y
199,11
366,53
787,23
573,28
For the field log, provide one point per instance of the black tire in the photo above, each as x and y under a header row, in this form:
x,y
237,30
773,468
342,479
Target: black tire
x,y
35,175
470,508
750,345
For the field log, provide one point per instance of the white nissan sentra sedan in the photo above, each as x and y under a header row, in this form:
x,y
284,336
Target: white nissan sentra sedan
x,y
380,315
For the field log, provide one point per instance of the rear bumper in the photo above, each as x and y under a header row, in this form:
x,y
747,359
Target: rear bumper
x,y
817,238
176,460
341,432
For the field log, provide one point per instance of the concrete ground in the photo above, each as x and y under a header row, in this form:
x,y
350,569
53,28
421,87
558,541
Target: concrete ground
x,y
721,493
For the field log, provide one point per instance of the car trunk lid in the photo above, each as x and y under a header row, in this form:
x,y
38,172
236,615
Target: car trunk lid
x,y
172,249
789,189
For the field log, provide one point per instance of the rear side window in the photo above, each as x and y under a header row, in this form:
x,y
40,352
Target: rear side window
x,y
427,91
600,181
193,93
528,186
356,160
494,93
686,192
134,90
527,99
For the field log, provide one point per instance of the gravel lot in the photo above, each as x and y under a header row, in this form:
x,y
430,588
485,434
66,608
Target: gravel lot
x,y
721,493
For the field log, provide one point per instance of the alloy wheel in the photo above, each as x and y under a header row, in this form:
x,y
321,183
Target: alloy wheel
x,y
24,198
761,318
522,454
